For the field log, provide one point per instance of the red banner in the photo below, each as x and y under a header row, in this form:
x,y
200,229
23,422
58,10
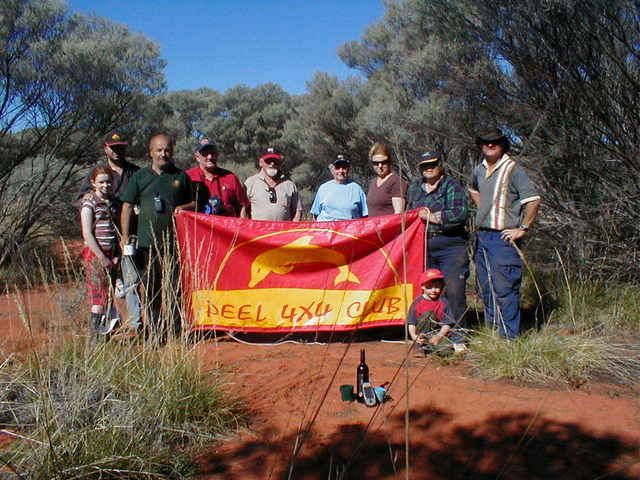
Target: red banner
x,y
261,276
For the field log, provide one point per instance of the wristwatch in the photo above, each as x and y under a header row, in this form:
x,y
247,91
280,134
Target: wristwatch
x,y
524,227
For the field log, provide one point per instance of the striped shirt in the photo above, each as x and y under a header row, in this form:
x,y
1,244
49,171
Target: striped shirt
x,y
104,212
503,193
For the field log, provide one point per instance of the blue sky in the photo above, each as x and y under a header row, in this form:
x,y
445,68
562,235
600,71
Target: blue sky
x,y
223,43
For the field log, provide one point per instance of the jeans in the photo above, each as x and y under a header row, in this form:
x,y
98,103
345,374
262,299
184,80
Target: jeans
x,y
449,255
131,279
499,275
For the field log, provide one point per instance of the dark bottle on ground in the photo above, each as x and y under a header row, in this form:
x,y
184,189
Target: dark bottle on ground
x,y
362,376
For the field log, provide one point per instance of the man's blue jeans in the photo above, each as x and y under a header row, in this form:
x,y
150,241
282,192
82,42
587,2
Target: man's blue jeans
x,y
449,255
499,275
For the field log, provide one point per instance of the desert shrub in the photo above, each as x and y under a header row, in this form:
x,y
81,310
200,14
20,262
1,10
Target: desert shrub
x,y
612,308
553,356
589,331
113,411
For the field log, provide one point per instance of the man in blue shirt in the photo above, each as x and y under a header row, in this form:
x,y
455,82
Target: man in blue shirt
x,y
340,198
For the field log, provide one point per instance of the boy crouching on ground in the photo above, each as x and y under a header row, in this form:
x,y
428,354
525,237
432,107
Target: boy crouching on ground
x,y
430,308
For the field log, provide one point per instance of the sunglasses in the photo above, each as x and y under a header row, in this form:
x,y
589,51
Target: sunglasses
x,y
383,162
273,196
424,166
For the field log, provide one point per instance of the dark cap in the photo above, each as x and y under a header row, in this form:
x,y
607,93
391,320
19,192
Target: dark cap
x,y
490,135
340,160
271,153
430,157
114,138
206,144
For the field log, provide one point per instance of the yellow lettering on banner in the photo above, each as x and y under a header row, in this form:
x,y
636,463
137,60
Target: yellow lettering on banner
x,y
298,307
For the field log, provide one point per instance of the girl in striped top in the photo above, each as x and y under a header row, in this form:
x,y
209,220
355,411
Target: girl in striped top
x,y
100,252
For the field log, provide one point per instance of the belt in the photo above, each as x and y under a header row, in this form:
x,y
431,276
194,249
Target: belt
x,y
446,234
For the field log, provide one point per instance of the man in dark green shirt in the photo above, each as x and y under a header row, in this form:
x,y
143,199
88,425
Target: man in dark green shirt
x,y
160,189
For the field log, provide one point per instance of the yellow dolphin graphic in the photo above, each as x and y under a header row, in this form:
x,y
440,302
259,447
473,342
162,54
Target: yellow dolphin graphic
x,y
281,260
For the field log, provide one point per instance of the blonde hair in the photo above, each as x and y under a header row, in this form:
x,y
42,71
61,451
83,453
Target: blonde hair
x,y
380,151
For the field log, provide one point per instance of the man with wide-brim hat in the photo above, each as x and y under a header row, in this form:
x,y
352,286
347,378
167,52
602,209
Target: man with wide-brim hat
x,y
443,205
508,203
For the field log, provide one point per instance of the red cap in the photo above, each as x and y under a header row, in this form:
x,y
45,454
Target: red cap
x,y
430,275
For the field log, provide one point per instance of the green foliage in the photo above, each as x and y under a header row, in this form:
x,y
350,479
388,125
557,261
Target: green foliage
x,y
326,126
112,412
59,98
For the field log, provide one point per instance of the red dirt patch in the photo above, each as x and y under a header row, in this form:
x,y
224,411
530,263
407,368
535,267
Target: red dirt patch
x,y
459,427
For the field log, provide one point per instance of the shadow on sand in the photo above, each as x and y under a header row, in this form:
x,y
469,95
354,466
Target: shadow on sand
x,y
509,446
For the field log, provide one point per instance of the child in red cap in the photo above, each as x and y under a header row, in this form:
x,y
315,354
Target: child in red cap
x,y
431,308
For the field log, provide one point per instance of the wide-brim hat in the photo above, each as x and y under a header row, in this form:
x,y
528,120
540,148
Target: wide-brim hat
x,y
430,275
491,135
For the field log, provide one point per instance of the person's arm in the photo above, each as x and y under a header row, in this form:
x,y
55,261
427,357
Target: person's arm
x,y
125,222
187,206
399,189
242,197
473,187
86,221
297,205
398,204
364,209
455,213
413,333
437,338
530,200
475,196
530,213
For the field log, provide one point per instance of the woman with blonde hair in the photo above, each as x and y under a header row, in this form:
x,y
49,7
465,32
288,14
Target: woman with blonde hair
x,y
387,190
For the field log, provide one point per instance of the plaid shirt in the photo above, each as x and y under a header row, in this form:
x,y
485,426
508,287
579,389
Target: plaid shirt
x,y
449,198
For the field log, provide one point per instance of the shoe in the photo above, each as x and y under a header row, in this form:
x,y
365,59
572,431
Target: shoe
x,y
120,291
459,348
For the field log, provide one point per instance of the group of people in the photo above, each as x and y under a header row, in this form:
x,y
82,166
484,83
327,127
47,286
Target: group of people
x,y
128,210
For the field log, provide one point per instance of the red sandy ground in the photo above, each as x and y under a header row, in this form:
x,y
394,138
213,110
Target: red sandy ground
x,y
460,427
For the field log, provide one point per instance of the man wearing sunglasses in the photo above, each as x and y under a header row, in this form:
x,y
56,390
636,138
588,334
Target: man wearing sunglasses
x,y
507,204
272,195
219,191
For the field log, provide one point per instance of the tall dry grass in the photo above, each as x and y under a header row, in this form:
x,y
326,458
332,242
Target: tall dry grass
x,y
585,330
80,409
